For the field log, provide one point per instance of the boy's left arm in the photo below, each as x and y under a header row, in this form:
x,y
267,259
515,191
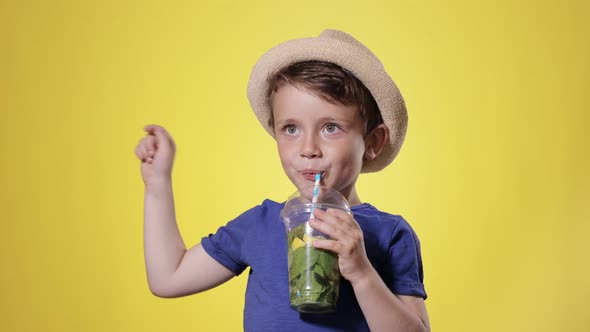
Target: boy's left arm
x,y
383,310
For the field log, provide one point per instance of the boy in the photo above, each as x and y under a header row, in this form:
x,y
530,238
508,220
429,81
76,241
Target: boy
x,y
332,109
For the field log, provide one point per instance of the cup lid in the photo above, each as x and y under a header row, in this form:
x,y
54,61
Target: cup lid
x,y
326,198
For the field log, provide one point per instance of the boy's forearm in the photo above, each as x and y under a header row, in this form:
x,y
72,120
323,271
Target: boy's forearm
x,y
163,244
382,309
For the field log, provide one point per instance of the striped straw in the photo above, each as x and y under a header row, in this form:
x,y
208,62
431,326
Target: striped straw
x,y
314,201
316,189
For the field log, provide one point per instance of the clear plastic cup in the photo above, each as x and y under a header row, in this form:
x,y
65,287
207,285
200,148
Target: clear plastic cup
x,y
314,277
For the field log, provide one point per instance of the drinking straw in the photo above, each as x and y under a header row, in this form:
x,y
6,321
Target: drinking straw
x,y
316,189
314,201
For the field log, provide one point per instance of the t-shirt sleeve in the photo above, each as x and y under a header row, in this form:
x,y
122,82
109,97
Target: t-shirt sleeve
x,y
404,271
226,245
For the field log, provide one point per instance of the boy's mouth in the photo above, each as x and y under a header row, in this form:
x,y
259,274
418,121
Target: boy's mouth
x,y
309,174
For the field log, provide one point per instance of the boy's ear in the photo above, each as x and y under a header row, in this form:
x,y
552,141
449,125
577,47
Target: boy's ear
x,y
375,141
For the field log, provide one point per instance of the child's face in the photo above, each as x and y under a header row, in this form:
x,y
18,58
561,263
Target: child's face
x,y
314,135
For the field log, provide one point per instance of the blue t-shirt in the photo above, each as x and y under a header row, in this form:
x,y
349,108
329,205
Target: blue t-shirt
x,y
257,239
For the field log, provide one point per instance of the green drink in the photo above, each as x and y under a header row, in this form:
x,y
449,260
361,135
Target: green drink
x,y
314,276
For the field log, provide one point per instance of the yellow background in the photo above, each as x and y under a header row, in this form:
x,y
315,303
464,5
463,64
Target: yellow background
x,y
493,175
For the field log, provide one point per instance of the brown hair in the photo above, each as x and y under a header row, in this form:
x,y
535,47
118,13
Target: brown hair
x,y
330,82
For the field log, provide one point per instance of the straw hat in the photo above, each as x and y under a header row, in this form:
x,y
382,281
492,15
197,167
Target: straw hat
x,y
342,49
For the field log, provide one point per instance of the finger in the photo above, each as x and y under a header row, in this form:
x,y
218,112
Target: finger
x,y
140,151
150,145
144,147
161,134
343,218
332,230
156,132
151,128
332,219
330,245
340,214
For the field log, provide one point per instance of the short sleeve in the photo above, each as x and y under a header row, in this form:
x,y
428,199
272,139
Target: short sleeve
x,y
403,270
226,245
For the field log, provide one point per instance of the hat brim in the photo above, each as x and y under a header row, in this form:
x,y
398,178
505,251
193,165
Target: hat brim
x,y
342,49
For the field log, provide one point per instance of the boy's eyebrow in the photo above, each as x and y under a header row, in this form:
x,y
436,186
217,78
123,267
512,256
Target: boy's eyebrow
x,y
322,120
332,119
286,120
343,121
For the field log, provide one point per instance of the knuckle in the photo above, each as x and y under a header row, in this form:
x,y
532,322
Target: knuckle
x,y
358,241
348,251
333,245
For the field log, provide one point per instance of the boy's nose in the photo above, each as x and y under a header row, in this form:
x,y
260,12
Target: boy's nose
x,y
310,147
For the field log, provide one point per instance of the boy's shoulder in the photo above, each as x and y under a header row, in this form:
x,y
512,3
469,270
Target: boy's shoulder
x,y
270,204
267,209
367,209
371,218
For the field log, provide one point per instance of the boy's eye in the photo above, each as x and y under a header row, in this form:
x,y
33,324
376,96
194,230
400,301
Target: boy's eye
x,y
331,128
290,130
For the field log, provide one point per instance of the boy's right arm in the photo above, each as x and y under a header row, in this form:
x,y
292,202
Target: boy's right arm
x,y
172,271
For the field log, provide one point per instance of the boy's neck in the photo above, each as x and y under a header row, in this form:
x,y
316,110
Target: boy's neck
x,y
352,197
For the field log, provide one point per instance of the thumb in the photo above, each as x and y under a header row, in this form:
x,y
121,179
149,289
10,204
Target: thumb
x,y
164,141
159,132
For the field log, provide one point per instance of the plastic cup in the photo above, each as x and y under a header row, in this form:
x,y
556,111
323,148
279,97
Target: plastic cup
x,y
314,277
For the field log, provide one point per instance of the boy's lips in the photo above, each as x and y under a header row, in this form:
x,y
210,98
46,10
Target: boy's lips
x,y
309,174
